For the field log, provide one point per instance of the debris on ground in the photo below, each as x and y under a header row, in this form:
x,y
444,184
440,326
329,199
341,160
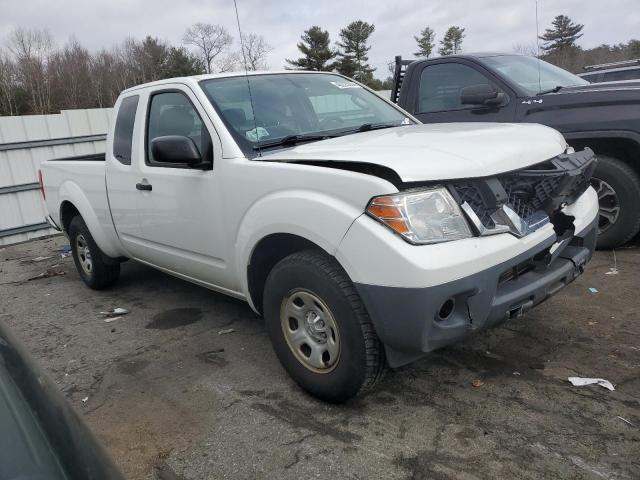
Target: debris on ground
x,y
593,290
51,272
580,382
85,399
115,312
65,251
226,331
517,373
495,356
40,259
625,420
112,319
477,383
613,270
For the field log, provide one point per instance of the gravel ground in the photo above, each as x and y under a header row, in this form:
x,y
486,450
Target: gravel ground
x,y
171,398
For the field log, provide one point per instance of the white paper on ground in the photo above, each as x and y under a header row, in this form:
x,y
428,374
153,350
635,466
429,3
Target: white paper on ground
x,y
580,382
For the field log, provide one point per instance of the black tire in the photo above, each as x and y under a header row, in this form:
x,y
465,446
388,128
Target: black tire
x,y
101,274
361,360
626,184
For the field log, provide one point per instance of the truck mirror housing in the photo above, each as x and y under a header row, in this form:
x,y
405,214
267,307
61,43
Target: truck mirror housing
x,y
482,94
175,149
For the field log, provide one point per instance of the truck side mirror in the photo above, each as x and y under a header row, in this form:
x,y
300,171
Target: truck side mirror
x,y
482,94
175,149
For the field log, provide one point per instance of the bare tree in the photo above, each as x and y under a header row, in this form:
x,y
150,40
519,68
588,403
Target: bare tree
x,y
530,50
70,76
103,83
8,85
255,50
210,40
231,62
32,50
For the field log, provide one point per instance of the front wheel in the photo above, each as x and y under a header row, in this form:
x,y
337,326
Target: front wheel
x,y
618,188
319,327
94,270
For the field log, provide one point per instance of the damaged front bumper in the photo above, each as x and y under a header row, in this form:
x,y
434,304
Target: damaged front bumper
x,y
413,321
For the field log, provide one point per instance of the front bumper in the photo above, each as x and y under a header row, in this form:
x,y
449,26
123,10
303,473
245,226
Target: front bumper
x,y
410,321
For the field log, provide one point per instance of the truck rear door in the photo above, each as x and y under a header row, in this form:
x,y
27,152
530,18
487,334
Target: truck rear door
x,y
122,172
435,90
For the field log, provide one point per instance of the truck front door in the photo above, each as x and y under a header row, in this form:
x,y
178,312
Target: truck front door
x,y
179,206
437,88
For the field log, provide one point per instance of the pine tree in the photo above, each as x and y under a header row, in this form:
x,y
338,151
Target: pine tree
x,y
426,42
562,36
353,57
316,48
451,44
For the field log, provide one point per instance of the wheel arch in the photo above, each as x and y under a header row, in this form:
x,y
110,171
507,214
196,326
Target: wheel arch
x,y
622,145
67,211
73,201
266,254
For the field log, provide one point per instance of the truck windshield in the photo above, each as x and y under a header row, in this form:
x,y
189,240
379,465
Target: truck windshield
x,y
524,72
296,107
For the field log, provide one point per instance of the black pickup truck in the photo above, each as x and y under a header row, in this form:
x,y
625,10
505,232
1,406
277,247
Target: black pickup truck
x,y
496,87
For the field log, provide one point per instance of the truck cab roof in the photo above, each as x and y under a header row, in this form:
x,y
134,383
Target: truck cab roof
x,y
208,76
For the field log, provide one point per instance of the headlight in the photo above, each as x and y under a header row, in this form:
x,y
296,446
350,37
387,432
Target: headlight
x,y
421,216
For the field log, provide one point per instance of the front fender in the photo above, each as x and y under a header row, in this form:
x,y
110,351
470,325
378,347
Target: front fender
x,y
102,232
317,217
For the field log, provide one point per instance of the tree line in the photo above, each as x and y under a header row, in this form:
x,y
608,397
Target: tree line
x,y
37,77
350,54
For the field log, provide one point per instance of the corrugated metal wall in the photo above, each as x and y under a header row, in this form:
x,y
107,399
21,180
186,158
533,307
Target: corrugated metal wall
x,y
25,142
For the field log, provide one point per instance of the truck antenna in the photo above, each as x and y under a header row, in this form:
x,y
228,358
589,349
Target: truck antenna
x,y
246,76
538,48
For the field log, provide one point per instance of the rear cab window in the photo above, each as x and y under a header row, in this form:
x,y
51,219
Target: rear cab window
x,y
123,132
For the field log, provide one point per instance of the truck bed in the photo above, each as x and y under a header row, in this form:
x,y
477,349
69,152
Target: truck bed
x,y
81,178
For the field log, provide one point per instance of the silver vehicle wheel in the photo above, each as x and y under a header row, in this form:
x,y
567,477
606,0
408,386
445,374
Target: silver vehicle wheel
x,y
84,254
608,203
310,330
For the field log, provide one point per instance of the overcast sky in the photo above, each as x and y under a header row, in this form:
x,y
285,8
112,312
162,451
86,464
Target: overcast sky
x,y
490,24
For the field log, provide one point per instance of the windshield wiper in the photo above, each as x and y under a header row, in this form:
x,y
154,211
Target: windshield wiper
x,y
376,126
292,140
555,89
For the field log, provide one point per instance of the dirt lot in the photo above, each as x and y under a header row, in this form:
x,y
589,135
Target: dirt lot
x,y
171,398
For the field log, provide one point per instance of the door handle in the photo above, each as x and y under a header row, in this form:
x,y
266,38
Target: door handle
x,y
144,186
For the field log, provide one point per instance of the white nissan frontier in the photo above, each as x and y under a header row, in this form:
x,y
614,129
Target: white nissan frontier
x,y
363,237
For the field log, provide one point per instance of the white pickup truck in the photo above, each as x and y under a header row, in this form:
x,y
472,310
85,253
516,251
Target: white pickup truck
x,y
363,237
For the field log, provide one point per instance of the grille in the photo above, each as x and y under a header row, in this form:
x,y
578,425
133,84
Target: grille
x,y
525,194
528,194
470,193
534,193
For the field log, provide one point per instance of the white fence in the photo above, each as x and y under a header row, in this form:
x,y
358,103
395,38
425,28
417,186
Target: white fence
x,y
27,141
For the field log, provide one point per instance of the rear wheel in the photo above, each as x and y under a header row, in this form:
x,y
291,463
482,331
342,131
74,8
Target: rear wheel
x,y
319,327
618,188
94,270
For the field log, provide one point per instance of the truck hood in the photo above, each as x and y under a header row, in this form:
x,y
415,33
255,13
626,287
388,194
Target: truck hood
x,y
436,152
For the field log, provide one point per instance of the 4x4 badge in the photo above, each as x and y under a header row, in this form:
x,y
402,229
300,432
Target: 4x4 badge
x,y
529,102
